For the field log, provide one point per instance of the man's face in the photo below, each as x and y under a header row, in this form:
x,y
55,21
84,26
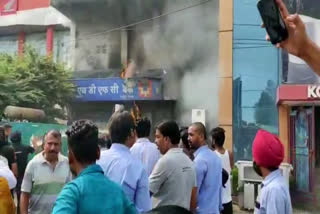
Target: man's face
x,y
161,142
8,131
52,147
194,138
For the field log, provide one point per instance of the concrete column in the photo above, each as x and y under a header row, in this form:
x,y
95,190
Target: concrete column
x,y
124,46
284,129
226,69
73,46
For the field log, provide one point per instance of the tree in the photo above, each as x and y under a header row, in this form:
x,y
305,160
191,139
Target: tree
x,y
35,81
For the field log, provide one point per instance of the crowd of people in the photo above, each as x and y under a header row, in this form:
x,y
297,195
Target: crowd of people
x,y
179,173
133,175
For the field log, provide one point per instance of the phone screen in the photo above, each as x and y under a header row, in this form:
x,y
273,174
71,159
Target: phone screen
x,y
273,21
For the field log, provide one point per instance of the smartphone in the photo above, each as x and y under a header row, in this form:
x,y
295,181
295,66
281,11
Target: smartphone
x,y
273,21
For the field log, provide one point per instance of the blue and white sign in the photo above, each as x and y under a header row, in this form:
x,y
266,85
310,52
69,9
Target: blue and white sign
x,y
118,89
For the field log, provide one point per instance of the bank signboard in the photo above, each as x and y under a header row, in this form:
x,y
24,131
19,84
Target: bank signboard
x,y
118,89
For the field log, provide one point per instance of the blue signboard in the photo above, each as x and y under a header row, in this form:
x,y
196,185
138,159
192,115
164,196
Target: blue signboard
x,y
118,89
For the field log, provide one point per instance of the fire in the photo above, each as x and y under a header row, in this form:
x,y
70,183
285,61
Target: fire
x,y
128,70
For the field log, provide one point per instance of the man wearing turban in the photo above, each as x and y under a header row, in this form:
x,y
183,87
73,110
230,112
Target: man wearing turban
x,y
268,153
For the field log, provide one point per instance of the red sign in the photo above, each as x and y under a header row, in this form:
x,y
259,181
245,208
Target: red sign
x,y
298,93
8,7
33,4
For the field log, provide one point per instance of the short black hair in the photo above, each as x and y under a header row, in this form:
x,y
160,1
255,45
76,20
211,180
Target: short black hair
x,y
143,128
83,141
55,133
218,136
16,137
104,143
201,129
170,129
184,137
121,125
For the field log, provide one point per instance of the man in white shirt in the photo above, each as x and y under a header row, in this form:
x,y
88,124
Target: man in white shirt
x,y
6,173
143,149
218,138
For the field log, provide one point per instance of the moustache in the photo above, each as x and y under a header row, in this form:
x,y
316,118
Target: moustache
x,y
53,152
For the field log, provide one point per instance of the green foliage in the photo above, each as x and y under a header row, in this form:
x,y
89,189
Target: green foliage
x,y
235,178
34,81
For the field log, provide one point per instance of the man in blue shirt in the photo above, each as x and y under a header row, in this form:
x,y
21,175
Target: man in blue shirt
x,y
268,153
209,171
144,150
119,164
91,191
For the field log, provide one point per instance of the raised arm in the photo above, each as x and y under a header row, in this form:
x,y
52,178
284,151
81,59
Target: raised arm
x,y
298,42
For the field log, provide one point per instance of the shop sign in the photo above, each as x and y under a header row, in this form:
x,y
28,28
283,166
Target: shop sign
x,y
117,89
313,91
8,7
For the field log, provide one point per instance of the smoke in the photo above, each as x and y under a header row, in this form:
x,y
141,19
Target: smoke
x,y
186,45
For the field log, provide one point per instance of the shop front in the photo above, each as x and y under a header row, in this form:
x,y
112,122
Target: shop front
x,y
96,99
299,112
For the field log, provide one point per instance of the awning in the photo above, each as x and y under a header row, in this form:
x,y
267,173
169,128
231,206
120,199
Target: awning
x,y
36,17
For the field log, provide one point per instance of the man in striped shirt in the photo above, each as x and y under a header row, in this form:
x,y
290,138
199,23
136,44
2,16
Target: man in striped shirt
x,y
45,176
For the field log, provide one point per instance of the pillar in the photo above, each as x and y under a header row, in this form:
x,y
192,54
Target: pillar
x,y
225,69
50,37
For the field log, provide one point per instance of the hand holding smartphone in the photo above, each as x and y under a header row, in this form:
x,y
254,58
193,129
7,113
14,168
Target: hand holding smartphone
x,y
273,21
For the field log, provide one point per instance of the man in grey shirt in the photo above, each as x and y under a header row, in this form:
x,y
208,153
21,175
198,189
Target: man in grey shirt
x,y
173,180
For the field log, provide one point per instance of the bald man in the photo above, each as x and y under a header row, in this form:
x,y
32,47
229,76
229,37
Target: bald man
x,y
209,171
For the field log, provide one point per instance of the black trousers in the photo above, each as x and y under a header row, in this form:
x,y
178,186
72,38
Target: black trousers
x,y
18,191
227,208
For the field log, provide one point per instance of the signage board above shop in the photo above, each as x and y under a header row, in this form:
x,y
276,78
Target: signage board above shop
x,y
118,89
8,7
313,91
298,93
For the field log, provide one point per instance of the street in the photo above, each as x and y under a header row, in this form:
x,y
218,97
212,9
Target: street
x,y
237,210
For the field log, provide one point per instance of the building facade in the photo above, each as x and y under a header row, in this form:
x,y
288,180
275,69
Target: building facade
x,y
269,89
33,23
163,40
162,47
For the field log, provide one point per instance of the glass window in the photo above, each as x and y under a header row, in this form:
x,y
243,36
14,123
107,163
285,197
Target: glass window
x,y
9,44
255,79
37,41
295,70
